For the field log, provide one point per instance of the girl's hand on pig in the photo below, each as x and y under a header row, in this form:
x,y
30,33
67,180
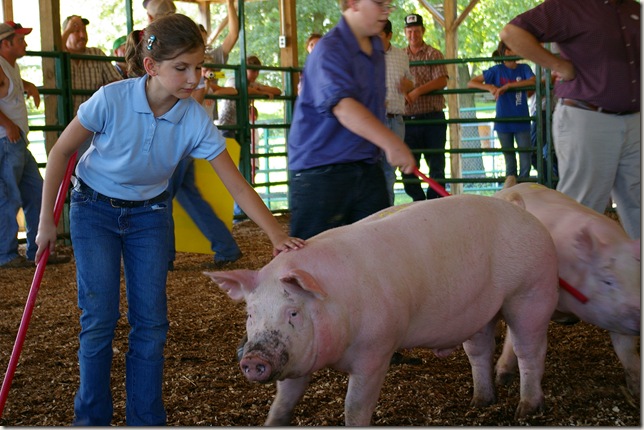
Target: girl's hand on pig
x,y
286,243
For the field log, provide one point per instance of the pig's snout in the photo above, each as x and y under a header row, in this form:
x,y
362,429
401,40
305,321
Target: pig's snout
x,y
264,357
255,368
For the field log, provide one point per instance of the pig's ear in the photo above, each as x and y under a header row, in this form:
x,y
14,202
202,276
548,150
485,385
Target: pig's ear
x,y
237,283
515,198
587,245
305,281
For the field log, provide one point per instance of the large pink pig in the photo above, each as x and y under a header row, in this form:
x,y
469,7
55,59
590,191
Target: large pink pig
x,y
598,259
434,274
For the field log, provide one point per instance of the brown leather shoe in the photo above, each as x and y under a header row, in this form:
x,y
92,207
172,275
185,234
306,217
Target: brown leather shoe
x,y
18,263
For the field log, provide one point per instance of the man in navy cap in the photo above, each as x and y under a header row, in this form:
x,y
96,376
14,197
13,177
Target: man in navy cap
x,y
423,104
20,180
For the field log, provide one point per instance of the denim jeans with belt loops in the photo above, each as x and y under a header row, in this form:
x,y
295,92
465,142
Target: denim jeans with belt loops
x,y
20,186
102,236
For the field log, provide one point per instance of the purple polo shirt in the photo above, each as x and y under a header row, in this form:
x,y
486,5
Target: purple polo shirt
x,y
336,69
602,39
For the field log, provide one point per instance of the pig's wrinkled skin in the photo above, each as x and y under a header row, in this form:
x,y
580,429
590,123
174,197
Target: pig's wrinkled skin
x,y
434,274
598,258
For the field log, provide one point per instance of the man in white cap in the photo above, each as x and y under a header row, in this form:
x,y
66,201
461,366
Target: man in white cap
x,y
159,8
424,104
20,180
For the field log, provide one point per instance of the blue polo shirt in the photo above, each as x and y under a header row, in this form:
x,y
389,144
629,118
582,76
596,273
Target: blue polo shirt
x,y
133,154
336,69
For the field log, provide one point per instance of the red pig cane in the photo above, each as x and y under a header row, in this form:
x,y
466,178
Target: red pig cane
x,y
33,291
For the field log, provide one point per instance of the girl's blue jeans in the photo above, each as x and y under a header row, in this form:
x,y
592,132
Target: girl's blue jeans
x,y
103,236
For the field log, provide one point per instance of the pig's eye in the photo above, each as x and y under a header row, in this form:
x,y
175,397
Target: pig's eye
x,y
293,314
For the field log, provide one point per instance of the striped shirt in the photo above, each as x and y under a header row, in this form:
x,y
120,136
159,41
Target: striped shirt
x,y
422,74
91,75
397,64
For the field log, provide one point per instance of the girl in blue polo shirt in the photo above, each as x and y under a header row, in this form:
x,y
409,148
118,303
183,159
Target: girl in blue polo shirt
x,y
497,80
141,128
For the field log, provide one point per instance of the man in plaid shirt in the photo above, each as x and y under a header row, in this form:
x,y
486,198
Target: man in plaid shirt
x,y
423,105
399,81
86,74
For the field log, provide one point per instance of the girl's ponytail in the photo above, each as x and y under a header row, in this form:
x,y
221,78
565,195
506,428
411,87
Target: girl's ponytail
x,y
134,54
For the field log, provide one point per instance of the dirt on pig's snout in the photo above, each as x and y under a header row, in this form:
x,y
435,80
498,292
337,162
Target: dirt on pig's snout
x,y
265,356
203,385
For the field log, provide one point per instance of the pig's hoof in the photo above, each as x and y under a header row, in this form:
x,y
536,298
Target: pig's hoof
x,y
504,378
630,396
633,385
526,409
483,400
565,319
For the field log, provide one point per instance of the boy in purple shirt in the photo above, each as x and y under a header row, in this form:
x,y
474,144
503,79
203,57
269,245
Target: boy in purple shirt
x,y
338,129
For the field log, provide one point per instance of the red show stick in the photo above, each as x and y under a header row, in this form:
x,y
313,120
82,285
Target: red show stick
x,y
440,190
33,292
432,183
572,290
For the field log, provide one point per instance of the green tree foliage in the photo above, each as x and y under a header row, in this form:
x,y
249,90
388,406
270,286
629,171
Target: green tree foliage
x,y
478,35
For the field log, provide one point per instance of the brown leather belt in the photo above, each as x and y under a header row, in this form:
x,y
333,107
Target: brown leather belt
x,y
588,106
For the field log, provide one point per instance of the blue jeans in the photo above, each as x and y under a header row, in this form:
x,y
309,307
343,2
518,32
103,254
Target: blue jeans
x,y
420,138
102,236
397,125
329,196
182,186
525,158
20,186
546,151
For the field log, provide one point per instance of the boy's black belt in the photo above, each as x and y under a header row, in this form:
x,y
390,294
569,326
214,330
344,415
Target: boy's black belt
x,y
118,203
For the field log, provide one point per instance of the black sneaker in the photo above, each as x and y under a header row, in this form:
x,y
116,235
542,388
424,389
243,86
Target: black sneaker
x,y
18,263
223,263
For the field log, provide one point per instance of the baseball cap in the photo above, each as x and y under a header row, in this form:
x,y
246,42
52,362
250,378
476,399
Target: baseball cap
x,y
8,28
118,42
160,8
85,20
413,20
